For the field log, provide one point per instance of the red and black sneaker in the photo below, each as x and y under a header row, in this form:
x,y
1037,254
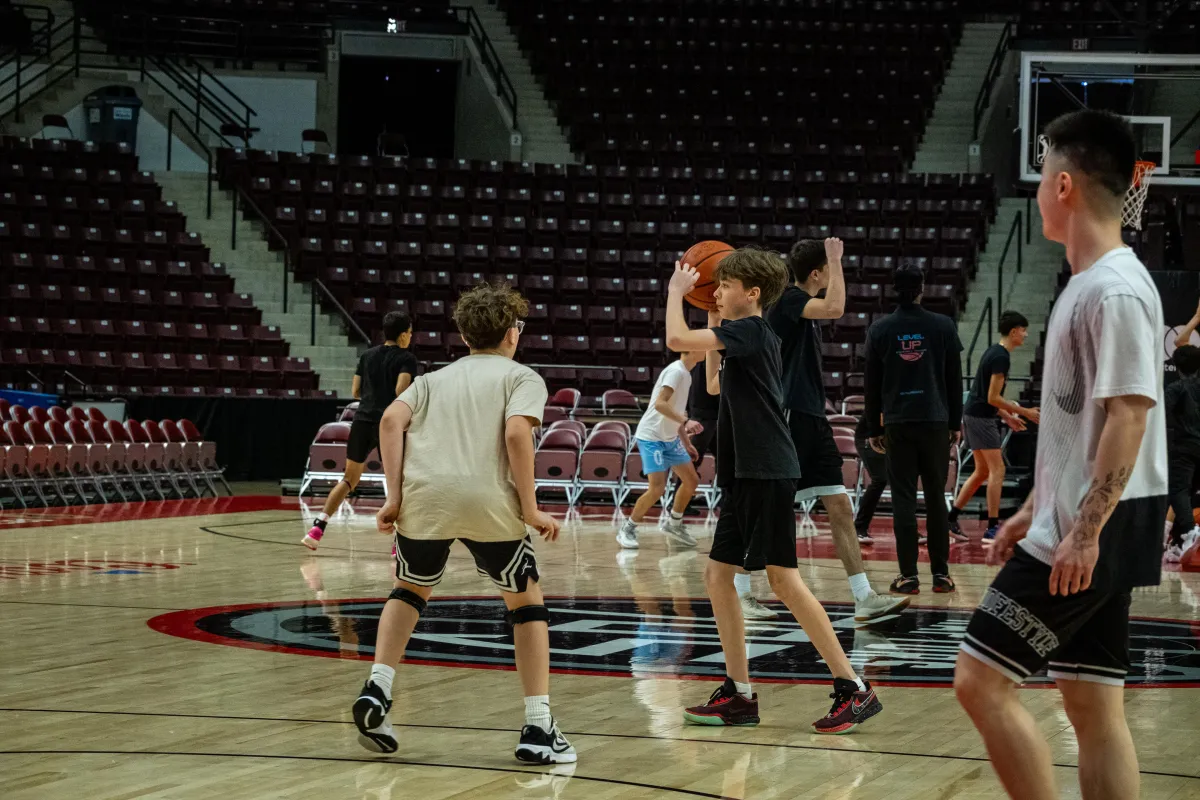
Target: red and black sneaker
x,y
725,707
850,708
943,584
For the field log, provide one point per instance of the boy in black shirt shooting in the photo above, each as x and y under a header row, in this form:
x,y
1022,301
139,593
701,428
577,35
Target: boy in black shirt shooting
x,y
383,373
757,470
1182,406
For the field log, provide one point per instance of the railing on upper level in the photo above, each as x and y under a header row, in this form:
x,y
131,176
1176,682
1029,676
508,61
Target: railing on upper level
x,y
1016,229
986,316
984,97
491,59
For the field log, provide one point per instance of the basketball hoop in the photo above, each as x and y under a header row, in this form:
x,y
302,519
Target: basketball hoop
x,y
1135,198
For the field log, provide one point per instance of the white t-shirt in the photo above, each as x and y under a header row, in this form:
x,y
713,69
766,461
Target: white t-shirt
x,y
457,479
654,427
1103,340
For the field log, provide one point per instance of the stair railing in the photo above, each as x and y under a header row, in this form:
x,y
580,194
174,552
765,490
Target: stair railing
x,y
1016,228
172,116
490,58
986,316
984,97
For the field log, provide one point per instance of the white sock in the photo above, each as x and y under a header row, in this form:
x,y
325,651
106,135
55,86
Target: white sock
x,y
323,517
860,586
537,711
677,516
862,687
742,688
630,526
381,676
741,582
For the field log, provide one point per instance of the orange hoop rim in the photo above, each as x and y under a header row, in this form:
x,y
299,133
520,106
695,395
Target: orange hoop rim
x,y
1140,168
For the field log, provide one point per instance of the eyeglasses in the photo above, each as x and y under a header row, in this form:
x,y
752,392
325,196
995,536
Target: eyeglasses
x,y
520,326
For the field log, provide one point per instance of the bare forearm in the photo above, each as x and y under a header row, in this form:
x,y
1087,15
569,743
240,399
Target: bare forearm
x,y
1185,335
670,413
520,461
835,294
1116,455
391,448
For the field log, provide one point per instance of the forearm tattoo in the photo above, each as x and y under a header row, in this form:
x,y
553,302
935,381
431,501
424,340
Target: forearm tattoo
x,y
1100,500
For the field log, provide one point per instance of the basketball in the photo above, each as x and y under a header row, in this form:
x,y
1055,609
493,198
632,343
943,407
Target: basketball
x,y
704,257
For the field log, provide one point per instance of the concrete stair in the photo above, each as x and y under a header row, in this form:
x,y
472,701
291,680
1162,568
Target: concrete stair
x,y
544,140
950,130
1029,292
258,271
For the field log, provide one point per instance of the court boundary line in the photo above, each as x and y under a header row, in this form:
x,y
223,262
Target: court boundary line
x,y
397,761
581,734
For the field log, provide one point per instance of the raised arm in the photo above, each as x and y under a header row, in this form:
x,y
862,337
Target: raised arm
x,y
679,337
833,304
1185,333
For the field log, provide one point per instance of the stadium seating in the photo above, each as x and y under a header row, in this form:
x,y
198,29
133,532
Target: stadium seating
x,y
75,457
100,283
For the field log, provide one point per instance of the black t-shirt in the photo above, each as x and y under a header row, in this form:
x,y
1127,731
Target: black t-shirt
x,y
1181,402
379,368
995,361
803,387
753,441
701,404
914,373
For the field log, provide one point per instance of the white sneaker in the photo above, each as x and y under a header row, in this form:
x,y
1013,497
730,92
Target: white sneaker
x,y
752,609
677,532
874,606
1191,538
1174,554
627,536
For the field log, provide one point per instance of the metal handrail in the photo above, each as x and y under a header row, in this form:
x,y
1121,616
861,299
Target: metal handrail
x,y
318,283
984,97
491,59
986,315
195,91
173,115
240,193
1017,228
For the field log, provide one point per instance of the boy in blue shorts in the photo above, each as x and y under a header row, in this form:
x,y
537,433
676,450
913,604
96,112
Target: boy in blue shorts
x,y
663,440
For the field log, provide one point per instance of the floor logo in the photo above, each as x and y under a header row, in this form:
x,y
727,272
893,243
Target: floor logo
x,y
649,637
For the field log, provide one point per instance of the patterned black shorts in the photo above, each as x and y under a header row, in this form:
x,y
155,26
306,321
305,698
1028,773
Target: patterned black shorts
x,y
510,564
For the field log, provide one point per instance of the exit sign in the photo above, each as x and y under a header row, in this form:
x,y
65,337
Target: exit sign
x,y
1079,44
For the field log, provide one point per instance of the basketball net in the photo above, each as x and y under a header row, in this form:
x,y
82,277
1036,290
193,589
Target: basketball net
x,y
1135,198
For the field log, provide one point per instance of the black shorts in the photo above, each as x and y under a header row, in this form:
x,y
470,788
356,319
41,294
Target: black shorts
x,y
1020,627
983,433
510,564
757,526
820,459
364,437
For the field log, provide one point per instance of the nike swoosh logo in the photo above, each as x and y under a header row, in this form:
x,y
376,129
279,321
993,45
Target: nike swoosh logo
x,y
857,706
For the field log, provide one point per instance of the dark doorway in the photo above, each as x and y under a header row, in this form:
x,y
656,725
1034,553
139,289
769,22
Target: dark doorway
x,y
397,95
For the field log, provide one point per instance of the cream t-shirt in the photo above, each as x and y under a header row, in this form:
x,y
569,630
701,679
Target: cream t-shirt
x,y
457,480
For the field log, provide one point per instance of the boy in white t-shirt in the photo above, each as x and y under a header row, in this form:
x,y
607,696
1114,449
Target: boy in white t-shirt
x,y
663,441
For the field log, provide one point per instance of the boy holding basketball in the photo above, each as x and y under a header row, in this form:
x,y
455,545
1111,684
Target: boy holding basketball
x,y
457,450
757,469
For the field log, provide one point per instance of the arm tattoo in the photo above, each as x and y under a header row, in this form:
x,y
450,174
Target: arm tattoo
x,y
1100,500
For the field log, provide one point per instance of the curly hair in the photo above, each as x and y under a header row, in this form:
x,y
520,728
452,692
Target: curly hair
x,y
755,268
484,314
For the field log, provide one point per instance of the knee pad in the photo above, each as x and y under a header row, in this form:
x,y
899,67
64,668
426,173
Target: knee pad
x,y
412,598
527,614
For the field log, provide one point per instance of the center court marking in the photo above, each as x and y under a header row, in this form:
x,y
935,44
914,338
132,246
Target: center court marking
x,y
579,734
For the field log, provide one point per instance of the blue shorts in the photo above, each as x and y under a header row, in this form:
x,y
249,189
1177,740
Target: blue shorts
x,y
661,456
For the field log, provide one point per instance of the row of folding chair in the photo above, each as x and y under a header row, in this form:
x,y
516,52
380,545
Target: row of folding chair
x,y
64,458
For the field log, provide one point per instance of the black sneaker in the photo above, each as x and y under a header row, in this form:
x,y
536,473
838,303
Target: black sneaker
x,y
370,715
956,532
943,584
724,707
905,584
865,538
538,746
851,708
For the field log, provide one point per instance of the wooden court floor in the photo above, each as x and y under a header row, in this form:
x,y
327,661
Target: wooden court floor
x,y
196,650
